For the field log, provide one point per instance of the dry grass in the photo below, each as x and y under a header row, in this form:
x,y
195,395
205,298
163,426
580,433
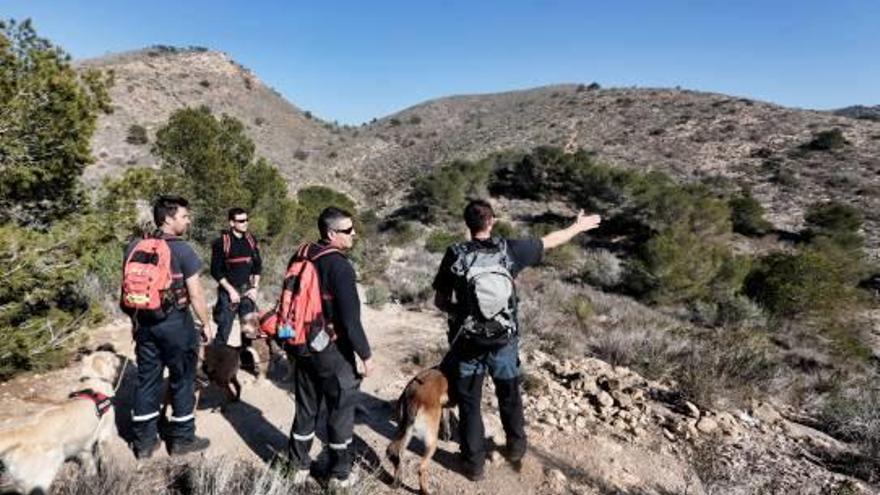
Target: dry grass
x,y
199,477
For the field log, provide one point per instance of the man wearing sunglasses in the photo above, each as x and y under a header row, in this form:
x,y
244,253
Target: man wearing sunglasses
x,y
236,266
330,375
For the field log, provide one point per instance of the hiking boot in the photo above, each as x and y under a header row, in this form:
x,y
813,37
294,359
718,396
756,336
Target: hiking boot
x,y
516,452
345,483
179,447
145,453
474,473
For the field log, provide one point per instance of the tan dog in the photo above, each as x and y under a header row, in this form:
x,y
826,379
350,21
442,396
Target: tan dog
x,y
33,452
421,410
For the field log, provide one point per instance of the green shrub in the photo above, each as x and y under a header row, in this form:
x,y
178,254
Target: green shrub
x,y
42,298
838,222
818,280
726,363
852,413
402,232
439,240
48,114
826,141
137,135
377,296
443,194
747,215
207,157
311,201
677,265
505,230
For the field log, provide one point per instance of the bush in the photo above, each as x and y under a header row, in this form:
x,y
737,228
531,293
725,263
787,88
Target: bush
x,y
838,222
747,215
726,363
377,296
439,240
826,141
311,202
49,113
415,120
137,135
505,230
443,194
602,268
816,281
42,295
401,232
853,415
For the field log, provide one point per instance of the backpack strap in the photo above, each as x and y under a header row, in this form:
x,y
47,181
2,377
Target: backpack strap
x,y
227,248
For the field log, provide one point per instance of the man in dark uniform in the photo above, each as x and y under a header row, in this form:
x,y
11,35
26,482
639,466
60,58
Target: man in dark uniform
x,y
236,266
170,343
469,358
331,375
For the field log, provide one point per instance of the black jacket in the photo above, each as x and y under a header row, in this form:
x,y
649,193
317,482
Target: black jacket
x,y
338,279
246,260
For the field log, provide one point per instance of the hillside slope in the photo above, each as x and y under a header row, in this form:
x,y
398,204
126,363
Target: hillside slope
x,y
727,141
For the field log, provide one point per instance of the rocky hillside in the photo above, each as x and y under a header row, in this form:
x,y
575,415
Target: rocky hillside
x,y
151,84
691,135
790,157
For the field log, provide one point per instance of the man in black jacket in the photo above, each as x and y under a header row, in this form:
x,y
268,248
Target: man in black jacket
x,y
236,266
471,354
331,374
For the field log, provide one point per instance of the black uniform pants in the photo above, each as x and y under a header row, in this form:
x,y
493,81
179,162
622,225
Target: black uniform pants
x,y
225,313
326,376
173,344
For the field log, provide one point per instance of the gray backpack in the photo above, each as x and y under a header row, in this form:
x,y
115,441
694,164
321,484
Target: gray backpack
x,y
488,312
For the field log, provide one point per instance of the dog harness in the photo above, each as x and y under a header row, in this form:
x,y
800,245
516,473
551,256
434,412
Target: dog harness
x,y
102,402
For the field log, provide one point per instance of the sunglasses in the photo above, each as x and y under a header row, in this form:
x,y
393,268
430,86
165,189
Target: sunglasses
x,y
240,220
347,231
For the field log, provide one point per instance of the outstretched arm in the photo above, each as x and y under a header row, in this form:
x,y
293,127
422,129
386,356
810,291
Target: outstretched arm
x,y
582,223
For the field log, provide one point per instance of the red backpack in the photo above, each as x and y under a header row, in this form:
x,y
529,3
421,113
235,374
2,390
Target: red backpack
x,y
147,280
300,319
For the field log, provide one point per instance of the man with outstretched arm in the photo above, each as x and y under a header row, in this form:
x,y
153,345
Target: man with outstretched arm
x,y
475,287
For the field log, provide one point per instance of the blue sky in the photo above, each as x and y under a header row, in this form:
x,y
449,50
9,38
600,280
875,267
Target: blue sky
x,y
352,61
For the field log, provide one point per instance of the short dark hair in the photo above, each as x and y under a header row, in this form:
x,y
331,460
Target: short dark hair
x,y
477,215
328,218
234,212
166,206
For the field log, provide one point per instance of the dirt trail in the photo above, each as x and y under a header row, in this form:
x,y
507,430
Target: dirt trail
x,y
258,426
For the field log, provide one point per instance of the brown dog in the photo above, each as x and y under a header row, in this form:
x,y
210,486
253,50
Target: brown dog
x,y
421,410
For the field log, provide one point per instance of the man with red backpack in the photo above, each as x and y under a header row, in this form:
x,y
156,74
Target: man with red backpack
x,y
319,322
160,283
236,265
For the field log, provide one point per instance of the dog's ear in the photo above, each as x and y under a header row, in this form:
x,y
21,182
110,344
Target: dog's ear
x,y
106,347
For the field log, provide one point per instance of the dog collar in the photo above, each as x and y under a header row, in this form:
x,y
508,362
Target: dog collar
x,y
102,402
